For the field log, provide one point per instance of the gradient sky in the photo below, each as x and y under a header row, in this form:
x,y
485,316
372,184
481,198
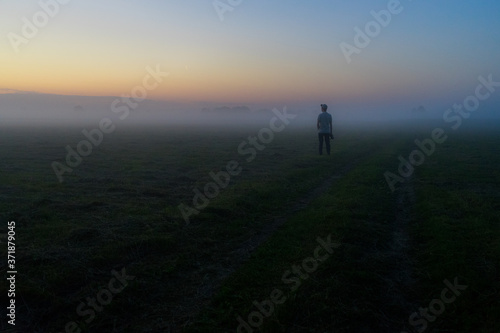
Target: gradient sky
x,y
272,51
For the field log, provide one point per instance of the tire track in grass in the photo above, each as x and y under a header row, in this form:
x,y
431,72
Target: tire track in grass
x,y
370,287
395,296
400,279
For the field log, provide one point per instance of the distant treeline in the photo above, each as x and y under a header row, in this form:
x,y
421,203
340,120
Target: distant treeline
x,y
233,110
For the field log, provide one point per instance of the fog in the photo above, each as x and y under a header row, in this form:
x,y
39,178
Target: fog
x,y
32,109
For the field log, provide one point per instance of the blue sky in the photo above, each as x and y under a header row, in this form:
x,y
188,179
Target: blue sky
x,y
272,51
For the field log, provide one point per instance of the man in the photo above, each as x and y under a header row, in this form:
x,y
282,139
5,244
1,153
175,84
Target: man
x,y
325,129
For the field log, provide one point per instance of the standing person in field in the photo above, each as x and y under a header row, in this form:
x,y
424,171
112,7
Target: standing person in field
x,y
325,129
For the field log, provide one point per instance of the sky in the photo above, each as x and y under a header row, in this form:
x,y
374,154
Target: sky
x,y
273,52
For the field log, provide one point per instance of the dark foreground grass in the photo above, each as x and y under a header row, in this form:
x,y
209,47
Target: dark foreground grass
x,y
119,209
365,285
344,293
458,228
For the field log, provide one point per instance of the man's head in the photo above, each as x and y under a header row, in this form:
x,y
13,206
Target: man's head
x,y
324,107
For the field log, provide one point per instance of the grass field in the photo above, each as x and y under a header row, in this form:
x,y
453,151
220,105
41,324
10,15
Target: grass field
x,y
295,243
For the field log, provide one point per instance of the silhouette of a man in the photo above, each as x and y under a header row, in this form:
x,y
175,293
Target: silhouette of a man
x,y
325,129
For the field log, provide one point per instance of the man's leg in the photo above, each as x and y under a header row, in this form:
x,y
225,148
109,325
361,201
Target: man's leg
x,y
320,137
327,140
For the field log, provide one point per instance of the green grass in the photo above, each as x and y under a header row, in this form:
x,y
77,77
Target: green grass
x,y
459,229
356,214
119,208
